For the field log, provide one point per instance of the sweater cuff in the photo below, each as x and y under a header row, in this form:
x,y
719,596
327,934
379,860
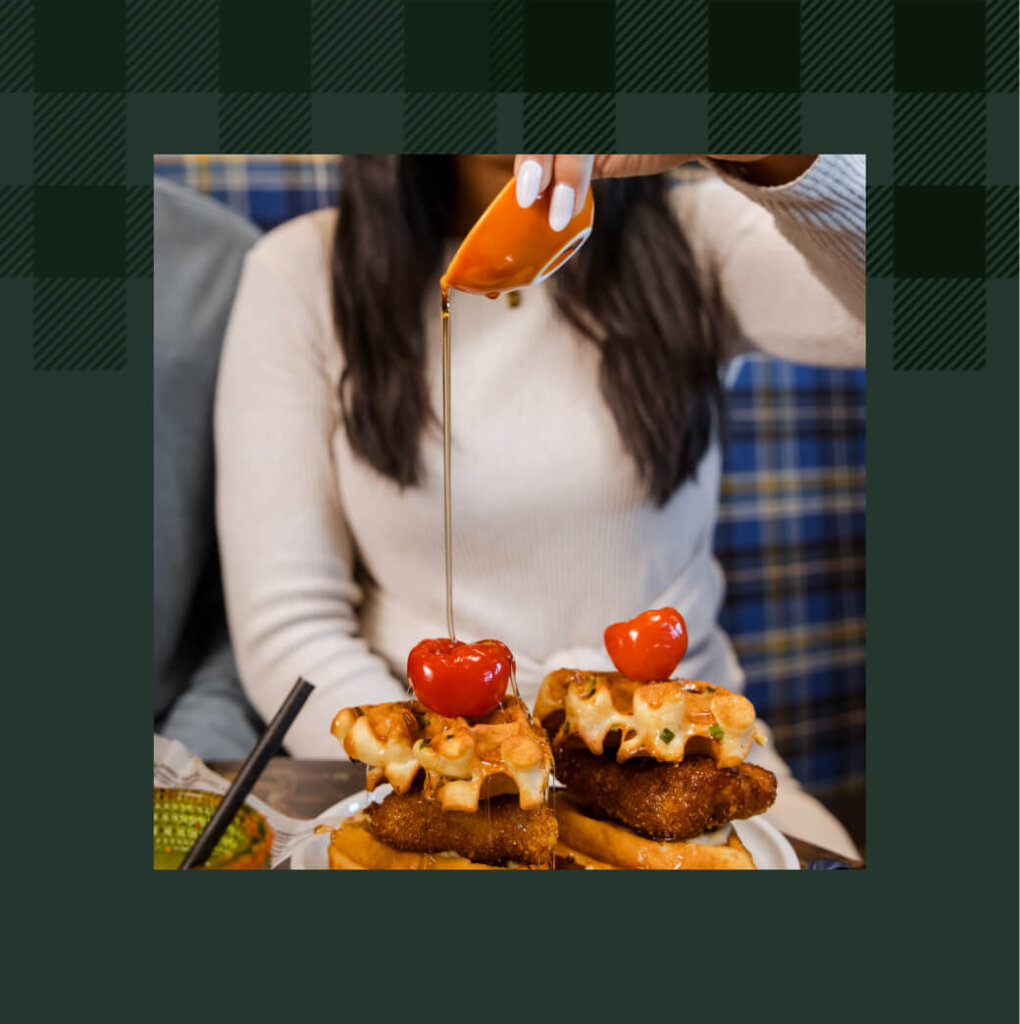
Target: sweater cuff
x,y
834,180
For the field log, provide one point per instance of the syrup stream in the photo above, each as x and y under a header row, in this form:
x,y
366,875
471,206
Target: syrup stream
x,y
447,511
448,535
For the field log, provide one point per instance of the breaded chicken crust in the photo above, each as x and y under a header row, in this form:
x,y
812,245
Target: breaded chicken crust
x,y
665,801
497,832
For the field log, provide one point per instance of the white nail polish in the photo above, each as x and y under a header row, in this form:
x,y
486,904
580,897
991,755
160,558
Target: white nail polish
x,y
561,209
529,177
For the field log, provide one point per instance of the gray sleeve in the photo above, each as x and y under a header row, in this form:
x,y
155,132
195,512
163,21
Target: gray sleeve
x,y
198,248
212,718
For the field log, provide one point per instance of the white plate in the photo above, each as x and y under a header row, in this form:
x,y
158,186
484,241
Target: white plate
x,y
766,844
311,855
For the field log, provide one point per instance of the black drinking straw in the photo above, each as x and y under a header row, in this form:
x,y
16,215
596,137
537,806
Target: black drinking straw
x,y
266,747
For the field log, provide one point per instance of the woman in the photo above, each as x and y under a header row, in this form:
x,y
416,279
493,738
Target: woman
x,y
585,418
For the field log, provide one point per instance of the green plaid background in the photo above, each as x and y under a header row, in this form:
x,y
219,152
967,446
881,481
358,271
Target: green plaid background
x,y
89,91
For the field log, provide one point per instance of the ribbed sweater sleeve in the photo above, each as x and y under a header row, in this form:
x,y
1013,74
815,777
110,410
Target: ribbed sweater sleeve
x,y
788,266
823,214
286,550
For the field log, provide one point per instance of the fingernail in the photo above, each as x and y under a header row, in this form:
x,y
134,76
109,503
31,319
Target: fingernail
x,y
561,209
529,177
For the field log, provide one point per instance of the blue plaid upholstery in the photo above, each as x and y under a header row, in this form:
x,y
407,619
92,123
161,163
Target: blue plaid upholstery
x,y
265,189
791,540
791,528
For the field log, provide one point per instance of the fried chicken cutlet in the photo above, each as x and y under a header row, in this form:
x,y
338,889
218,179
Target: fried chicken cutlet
x,y
665,801
501,832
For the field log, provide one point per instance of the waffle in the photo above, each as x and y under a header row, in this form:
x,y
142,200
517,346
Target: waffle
x,y
659,720
463,761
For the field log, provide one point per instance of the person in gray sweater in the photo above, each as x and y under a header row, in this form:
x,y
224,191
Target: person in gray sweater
x,y
198,248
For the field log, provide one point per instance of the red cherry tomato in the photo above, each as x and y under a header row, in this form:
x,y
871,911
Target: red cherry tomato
x,y
453,678
649,647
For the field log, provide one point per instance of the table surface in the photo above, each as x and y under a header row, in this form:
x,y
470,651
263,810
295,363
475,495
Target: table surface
x,y
304,789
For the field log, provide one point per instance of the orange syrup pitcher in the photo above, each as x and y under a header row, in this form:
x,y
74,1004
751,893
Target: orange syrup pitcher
x,y
510,247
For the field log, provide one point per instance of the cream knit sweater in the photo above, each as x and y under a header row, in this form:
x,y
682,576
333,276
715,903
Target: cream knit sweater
x,y
553,535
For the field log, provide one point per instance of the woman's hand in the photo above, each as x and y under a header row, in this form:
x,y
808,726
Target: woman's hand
x,y
569,174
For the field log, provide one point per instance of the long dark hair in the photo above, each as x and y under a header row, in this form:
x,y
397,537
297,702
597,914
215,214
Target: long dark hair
x,y
633,290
